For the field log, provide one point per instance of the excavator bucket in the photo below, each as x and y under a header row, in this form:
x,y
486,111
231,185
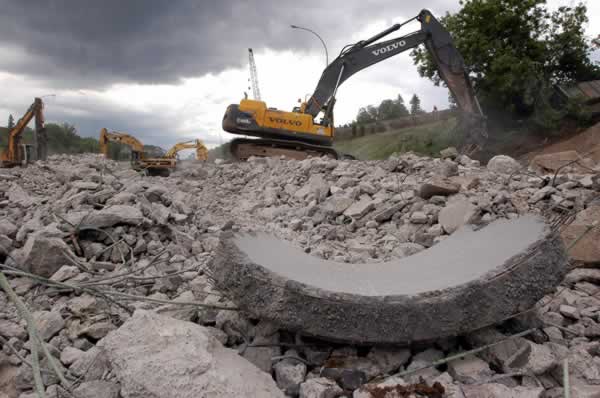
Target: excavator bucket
x,y
468,281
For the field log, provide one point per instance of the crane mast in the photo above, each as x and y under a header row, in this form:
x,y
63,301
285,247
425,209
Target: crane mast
x,y
253,75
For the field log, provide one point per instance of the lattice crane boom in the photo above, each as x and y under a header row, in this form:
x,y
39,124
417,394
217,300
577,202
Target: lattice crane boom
x,y
253,75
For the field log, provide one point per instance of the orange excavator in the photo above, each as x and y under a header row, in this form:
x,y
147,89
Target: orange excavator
x,y
18,154
139,162
201,150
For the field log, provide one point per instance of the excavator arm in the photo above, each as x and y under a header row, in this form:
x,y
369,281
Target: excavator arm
x,y
439,44
137,148
363,54
201,151
12,155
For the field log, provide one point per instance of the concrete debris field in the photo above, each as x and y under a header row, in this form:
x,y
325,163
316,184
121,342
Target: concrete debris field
x,y
157,287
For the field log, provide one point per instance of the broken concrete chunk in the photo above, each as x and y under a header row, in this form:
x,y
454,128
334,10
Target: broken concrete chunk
x,y
320,388
438,187
456,214
107,217
155,356
44,256
360,208
490,250
469,370
19,196
494,390
449,153
389,211
48,323
65,272
316,185
503,164
97,389
8,228
336,205
290,373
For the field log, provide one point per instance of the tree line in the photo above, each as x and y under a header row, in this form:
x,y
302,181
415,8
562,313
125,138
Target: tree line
x,y
389,109
64,138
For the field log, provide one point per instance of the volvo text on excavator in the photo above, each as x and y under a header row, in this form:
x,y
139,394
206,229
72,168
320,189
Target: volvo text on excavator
x,y
19,154
297,134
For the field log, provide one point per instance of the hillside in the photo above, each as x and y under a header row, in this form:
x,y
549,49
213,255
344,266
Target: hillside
x,y
426,139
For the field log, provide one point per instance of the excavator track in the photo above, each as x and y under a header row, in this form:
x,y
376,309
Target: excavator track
x,y
243,148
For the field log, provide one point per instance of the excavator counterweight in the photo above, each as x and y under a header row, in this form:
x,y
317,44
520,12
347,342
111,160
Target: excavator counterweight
x,y
281,132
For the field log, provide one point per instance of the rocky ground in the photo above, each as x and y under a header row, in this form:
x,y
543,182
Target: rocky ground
x,y
111,265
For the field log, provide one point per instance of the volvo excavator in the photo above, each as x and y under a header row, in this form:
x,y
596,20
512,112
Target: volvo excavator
x,y
297,134
17,153
139,162
201,151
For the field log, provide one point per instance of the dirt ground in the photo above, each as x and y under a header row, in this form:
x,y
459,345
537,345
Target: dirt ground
x,y
587,143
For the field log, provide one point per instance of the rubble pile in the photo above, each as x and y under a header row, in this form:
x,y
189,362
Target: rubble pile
x,y
126,305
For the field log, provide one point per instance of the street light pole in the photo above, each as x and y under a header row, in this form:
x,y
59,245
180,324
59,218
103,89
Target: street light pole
x,y
319,37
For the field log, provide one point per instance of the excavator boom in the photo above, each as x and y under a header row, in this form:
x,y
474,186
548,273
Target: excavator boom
x,y
201,150
282,132
16,153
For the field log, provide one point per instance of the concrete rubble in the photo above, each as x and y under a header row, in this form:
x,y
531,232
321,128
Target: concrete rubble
x,y
151,238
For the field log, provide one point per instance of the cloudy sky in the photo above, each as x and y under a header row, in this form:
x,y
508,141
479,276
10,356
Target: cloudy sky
x,y
165,71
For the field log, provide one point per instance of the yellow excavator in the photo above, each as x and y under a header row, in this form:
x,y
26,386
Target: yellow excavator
x,y
139,162
18,154
201,150
297,134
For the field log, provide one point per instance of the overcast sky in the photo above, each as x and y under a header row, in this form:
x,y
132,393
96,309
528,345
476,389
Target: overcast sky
x,y
165,71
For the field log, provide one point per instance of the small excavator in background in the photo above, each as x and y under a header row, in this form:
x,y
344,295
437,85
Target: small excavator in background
x,y
297,135
139,162
201,150
19,154
154,166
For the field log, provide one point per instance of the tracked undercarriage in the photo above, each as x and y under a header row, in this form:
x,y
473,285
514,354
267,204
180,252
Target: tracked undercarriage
x,y
244,148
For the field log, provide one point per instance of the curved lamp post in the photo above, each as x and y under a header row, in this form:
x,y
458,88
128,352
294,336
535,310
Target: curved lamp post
x,y
319,37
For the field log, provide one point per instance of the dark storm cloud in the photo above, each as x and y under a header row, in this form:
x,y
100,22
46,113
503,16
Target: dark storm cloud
x,y
77,43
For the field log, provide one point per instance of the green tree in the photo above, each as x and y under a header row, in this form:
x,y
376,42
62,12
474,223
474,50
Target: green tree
x,y
415,105
391,109
515,50
400,106
11,122
365,115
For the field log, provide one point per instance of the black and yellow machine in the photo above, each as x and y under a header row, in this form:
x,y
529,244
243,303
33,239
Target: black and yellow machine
x,y
298,134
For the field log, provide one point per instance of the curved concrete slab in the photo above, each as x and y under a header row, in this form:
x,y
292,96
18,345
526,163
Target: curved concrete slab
x,y
470,280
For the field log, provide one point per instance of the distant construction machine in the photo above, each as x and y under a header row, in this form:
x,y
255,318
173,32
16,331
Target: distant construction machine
x,y
201,150
19,154
154,166
139,162
297,134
